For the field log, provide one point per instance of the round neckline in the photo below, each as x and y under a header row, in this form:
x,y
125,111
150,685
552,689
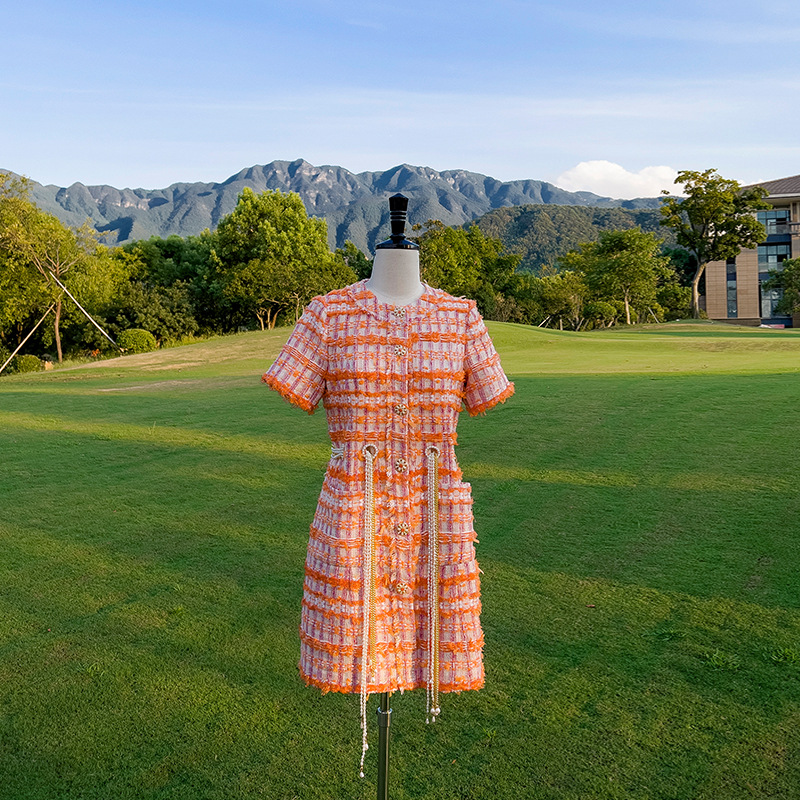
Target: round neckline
x,y
426,291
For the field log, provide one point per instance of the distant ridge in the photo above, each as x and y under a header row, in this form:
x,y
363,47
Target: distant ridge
x,y
354,204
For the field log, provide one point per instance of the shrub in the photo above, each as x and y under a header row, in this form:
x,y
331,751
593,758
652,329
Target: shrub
x,y
27,363
4,354
136,340
675,300
599,312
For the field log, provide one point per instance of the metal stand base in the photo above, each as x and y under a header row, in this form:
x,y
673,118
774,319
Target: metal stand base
x,y
384,718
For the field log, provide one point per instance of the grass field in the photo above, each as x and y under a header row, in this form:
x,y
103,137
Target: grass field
x,y
637,504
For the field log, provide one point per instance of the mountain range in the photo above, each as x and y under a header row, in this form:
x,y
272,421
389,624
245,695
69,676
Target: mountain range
x,y
354,204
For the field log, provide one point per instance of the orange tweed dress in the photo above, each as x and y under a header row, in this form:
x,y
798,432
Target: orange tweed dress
x,y
393,381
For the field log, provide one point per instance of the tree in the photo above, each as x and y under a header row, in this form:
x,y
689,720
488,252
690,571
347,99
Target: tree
x,y
355,259
788,279
270,256
599,313
448,258
674,300
164,311
164,263
466,262
265,286
714,220
683,263
561,296
42,242
621,265
23,298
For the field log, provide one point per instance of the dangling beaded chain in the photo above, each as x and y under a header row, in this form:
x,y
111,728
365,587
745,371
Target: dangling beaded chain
x,y
368,642
370,600
433,710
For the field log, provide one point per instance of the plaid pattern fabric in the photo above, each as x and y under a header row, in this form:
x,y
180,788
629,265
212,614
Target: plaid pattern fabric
x,y
395,378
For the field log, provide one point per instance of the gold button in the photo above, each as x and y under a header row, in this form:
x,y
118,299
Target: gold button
x,y
400,350
400,465
402,588
401,529
398,312
401,409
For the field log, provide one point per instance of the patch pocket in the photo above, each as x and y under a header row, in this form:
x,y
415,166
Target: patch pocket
x,y
456,525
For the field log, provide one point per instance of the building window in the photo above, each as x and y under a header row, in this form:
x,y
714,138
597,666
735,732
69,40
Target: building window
x,y
730,283
775,221
770,255
769,299
770,258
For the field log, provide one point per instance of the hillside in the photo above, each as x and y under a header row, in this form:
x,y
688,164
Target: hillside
x,y
544,233
354,204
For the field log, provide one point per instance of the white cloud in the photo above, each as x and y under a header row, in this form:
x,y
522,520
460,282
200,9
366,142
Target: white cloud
x,y
612,180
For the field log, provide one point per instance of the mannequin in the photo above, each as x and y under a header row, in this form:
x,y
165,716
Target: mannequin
x,y
395,276
395,270
394,280
416,355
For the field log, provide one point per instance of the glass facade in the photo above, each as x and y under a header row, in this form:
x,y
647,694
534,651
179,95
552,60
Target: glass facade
x,y
776,220
770,255
776,249
730,278
769,299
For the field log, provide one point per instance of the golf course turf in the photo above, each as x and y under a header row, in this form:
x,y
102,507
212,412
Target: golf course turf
x,y
637,504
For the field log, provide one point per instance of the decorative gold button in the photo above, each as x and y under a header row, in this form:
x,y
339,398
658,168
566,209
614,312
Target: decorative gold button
x,y
402,588
401,409
400,465
400,350
401,529
398,312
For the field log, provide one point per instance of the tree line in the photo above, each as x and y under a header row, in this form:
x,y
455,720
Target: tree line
x,y
267,259
261,265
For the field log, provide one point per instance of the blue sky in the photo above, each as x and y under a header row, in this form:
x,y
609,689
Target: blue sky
x,y
612,97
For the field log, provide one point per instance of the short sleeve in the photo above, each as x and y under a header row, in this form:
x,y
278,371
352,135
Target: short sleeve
x,y
299,371
485,383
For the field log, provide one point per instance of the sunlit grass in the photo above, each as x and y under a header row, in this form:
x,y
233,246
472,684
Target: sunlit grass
x,y
636,505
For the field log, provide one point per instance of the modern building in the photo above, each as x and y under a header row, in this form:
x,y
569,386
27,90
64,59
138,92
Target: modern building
x,y
734,291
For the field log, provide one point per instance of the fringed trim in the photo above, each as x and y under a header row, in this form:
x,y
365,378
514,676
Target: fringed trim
x,y
389,340
343,475
390,648
377,375
492,401
354,584
367,402
444,688
449,608
286,393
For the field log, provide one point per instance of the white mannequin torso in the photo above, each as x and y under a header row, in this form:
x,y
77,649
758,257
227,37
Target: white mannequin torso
x,y
395,276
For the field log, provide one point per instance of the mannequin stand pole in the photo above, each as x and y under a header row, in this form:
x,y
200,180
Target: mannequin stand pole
x,y
384,718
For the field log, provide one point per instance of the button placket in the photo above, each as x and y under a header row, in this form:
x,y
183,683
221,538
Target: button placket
x,y
400,442
400,408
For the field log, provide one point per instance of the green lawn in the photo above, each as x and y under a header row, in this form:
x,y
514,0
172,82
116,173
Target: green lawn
x,y
636,503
